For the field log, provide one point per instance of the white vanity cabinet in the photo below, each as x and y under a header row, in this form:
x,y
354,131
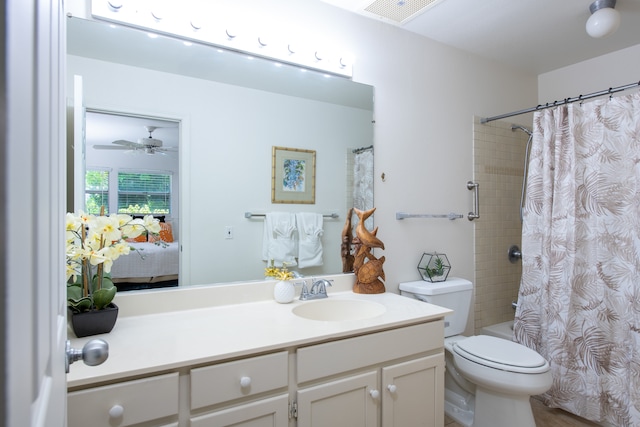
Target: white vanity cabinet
x,y
395,375
281,373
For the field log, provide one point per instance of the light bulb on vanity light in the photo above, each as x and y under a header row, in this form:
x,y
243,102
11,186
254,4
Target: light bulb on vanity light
x,y
604,19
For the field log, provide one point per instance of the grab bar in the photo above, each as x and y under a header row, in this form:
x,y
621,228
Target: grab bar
x,y
474,186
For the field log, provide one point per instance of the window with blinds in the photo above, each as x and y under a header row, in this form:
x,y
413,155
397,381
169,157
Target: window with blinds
x,y
147,192
96,193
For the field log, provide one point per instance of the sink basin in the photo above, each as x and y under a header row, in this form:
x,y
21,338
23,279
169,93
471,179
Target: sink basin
x,y
338,310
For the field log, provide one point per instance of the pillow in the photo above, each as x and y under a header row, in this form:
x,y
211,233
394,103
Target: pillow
x,y
139,239
166,234
160,218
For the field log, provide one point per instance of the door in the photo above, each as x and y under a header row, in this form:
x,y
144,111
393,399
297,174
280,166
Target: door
x,y
348,402
413,393
79,146
33,204
271,412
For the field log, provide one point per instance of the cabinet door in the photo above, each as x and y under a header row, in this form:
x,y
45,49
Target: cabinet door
x,y
273,412
413,393
348,402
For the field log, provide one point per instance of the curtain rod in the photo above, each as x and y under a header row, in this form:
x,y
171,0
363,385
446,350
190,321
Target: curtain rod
x,y
361,149
609,91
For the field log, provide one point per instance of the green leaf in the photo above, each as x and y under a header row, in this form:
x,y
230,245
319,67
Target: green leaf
x,y
79,305
102,297
74,291
107,283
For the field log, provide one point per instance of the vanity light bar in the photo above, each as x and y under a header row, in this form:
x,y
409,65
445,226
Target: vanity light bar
x,y
175,20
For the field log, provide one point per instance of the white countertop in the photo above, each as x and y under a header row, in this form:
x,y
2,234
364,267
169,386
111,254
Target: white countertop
x,y
157,342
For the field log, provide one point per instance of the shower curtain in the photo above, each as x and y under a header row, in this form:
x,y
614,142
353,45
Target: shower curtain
x,y
363,184
579,299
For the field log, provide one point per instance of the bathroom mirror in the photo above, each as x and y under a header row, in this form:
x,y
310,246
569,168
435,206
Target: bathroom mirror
x,y
231,110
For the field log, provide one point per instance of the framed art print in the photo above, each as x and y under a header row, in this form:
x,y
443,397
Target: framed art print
x,y
293,176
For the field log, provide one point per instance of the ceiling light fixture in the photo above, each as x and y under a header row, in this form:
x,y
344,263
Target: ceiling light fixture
x,y
604,19
163,17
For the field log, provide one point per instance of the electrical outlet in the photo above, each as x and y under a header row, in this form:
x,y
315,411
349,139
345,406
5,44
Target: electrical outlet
x,y
228,232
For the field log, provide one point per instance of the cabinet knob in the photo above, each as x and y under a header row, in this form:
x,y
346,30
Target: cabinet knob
x,y
245,382
392,388
374,393
116,411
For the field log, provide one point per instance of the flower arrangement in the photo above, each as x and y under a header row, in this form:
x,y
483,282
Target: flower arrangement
x,y
278,273
93,243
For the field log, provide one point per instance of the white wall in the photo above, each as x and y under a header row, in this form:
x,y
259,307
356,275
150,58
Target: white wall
x,y
615,69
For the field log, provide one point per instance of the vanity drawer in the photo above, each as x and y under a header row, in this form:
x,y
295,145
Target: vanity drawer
x,y
124,404
323,360
241,378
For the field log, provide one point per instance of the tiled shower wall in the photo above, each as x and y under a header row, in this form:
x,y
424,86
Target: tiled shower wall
x,y
498,166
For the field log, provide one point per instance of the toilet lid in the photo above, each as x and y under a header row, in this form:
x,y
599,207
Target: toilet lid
x,y
501,354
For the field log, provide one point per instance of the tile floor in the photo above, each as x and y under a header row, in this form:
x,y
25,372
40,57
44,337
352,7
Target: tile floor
x,y
545,417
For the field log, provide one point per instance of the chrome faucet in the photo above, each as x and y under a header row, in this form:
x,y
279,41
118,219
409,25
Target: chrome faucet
x,y
318,290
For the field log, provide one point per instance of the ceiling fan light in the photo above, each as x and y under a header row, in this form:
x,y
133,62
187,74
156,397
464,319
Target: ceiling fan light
x,y
150,142
604,19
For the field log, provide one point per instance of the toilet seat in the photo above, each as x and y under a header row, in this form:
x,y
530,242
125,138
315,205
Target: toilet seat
x,y
501,354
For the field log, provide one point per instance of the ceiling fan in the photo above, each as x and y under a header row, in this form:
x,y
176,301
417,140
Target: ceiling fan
x,y
149,145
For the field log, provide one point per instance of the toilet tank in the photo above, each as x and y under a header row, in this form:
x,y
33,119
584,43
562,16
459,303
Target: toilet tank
x,y
454,293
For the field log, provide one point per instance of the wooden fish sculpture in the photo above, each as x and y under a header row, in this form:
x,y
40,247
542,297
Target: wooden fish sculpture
x,y
367,268
345,246
367,237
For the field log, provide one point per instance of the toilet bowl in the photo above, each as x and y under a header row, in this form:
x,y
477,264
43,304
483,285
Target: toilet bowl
x,y
488,380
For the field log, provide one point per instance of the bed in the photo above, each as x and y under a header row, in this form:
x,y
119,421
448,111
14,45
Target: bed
x,y
147,264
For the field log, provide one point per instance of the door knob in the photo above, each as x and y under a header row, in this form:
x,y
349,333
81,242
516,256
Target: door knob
x,y
93,353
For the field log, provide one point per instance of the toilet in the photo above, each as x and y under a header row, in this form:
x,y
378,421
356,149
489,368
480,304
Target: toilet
x,y
488,380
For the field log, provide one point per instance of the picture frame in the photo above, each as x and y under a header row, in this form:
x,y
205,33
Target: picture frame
x,y
293,175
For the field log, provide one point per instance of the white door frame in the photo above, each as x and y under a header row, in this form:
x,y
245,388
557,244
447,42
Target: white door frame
x,y
33,204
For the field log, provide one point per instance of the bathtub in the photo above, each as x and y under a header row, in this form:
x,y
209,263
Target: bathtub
x,y
500,330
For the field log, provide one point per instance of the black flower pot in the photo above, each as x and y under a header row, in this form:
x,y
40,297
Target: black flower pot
x,y
94,322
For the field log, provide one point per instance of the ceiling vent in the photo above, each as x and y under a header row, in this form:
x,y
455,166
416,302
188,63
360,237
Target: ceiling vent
x,y
393,11
400,11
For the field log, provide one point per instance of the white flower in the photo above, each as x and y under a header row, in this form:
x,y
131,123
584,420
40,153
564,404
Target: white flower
x,y
99,240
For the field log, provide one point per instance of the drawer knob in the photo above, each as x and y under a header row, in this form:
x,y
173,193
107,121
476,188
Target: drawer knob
x,y
116,411
245,382
374,393
392,388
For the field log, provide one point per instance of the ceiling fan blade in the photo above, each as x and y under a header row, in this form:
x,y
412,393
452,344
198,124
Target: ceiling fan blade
x,y
111,147
127,143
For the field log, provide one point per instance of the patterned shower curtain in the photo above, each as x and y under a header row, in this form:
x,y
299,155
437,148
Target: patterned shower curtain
x,y
579,300
363,184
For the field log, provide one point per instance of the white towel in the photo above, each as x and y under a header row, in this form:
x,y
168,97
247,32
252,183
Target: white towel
x,y
309,239
280,244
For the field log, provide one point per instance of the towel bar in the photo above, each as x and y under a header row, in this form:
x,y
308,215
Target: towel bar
x,y
451,216
251,215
